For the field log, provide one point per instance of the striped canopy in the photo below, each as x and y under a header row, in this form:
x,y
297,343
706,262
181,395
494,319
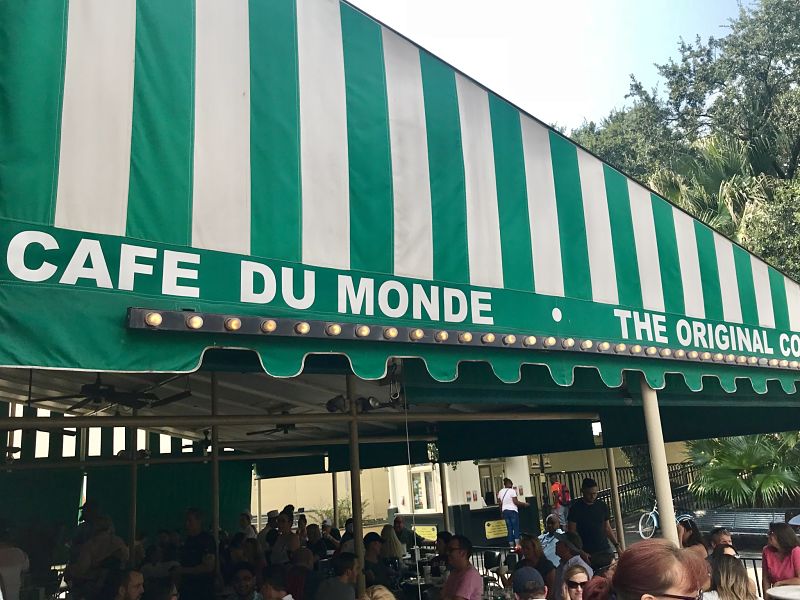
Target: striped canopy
x,y
305,134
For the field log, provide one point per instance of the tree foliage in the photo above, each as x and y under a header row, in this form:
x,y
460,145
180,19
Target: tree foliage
x,y
754,470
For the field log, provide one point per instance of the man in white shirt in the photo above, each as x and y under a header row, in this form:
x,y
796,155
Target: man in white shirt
x,y
549,538
13,562
509,506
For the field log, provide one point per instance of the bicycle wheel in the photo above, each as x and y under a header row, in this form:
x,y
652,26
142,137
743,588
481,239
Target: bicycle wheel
x,y
647,525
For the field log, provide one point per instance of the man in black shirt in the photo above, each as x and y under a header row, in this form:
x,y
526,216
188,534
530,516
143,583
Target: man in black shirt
x,y
406,536
589,518
198,559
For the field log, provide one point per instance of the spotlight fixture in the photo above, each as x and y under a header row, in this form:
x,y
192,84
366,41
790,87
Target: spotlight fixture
x,y
336,404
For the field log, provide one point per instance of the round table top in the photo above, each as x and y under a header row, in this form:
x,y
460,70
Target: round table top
x,y
784,592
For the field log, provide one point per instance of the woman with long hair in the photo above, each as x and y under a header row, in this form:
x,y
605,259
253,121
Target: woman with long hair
x,y
780,558
655,569
377,592
575,579
729,581
391,547
691,538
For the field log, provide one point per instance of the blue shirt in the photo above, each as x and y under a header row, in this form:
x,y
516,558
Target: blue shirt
x,y
549,541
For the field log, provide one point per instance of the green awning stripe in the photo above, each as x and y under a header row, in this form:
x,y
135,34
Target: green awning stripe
x,y
512,195
619,211
276,210
371,209
712,294
572,230
747,293
446,164
668,255
32,51
160,190
780,306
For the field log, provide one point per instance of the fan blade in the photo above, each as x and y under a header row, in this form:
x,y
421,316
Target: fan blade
x,y
170,399
54,398
81,404
129,399
265,431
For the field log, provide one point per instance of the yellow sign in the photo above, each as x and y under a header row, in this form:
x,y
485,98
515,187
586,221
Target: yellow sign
x,y
495,529
426,532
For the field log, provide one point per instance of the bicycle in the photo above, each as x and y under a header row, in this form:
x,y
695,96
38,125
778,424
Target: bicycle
x,y
649,521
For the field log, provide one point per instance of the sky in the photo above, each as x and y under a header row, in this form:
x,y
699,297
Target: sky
x,y
563,61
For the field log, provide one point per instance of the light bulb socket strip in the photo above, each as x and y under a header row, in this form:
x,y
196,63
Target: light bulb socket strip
x,y
269,326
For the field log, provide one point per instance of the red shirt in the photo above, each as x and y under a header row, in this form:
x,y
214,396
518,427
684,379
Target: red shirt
x,y
779,568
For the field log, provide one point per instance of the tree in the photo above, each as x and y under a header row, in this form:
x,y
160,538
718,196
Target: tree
x,y
773,230
754,470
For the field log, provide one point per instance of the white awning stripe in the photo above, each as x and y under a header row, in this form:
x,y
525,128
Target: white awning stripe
x,y
323,135
221,199
644,233
766,314
728,281
96,117
690,265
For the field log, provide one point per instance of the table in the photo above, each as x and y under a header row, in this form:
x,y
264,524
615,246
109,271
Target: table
x,y
784,592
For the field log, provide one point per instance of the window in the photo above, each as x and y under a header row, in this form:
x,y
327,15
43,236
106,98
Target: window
x,y
416,490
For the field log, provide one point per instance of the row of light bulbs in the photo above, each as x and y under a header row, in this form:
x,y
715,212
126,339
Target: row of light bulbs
x,y
195,322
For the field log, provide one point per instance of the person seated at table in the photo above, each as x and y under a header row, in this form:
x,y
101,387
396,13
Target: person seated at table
x,y
391,548
575,579
439,562
302,580
569,549
549,538
407,537
274,586
244,582
342,585
104,553
729,581
780,558
717,536
13,563
532,556
691,538
315,543
656,569
377,592
527,582
376,571
723,550
464,582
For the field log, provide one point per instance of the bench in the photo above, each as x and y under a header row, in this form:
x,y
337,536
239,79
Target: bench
x,y
748,522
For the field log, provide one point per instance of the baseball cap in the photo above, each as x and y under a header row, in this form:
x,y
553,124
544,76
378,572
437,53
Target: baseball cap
x,y
571,539
526,578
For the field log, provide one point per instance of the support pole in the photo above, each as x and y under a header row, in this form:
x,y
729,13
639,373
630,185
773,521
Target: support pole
x,y
335,493
445,504
612,474
215,470
355,484
258,517
134,493
658,462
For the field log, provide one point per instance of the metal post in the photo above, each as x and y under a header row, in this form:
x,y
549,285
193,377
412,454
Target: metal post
x,y
215,469
335,492
612,474
445,504
258,517
658,462
134,493
355,483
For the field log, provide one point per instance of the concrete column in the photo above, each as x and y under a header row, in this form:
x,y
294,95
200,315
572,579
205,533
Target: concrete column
x,y
215,470
355,484
335,494
131,448
445,503
658,462
617,505
258,517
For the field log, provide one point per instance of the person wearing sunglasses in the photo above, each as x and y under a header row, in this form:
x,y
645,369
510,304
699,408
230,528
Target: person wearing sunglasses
x,y
575,579
780,558
656,570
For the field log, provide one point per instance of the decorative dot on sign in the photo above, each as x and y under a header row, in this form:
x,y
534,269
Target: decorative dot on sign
x,y
752,360
680,353
635,349
333,329
651,351
529,340
509,340
784,363
793,364
620,348
730,358
568,343
693,354
603,346
557,316
773,362
269,326
194,322
465,337
741,359
390,333
488,338
153,319
302,328
706,356
587,344
763,362
665,352
233,324
362,331
416,334
441,336
719,357
550,341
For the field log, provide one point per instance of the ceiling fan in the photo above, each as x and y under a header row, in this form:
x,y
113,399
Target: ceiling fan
x,y
284,428
201,445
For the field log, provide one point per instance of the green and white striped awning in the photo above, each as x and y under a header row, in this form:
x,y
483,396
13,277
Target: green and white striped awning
x,y
228,157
